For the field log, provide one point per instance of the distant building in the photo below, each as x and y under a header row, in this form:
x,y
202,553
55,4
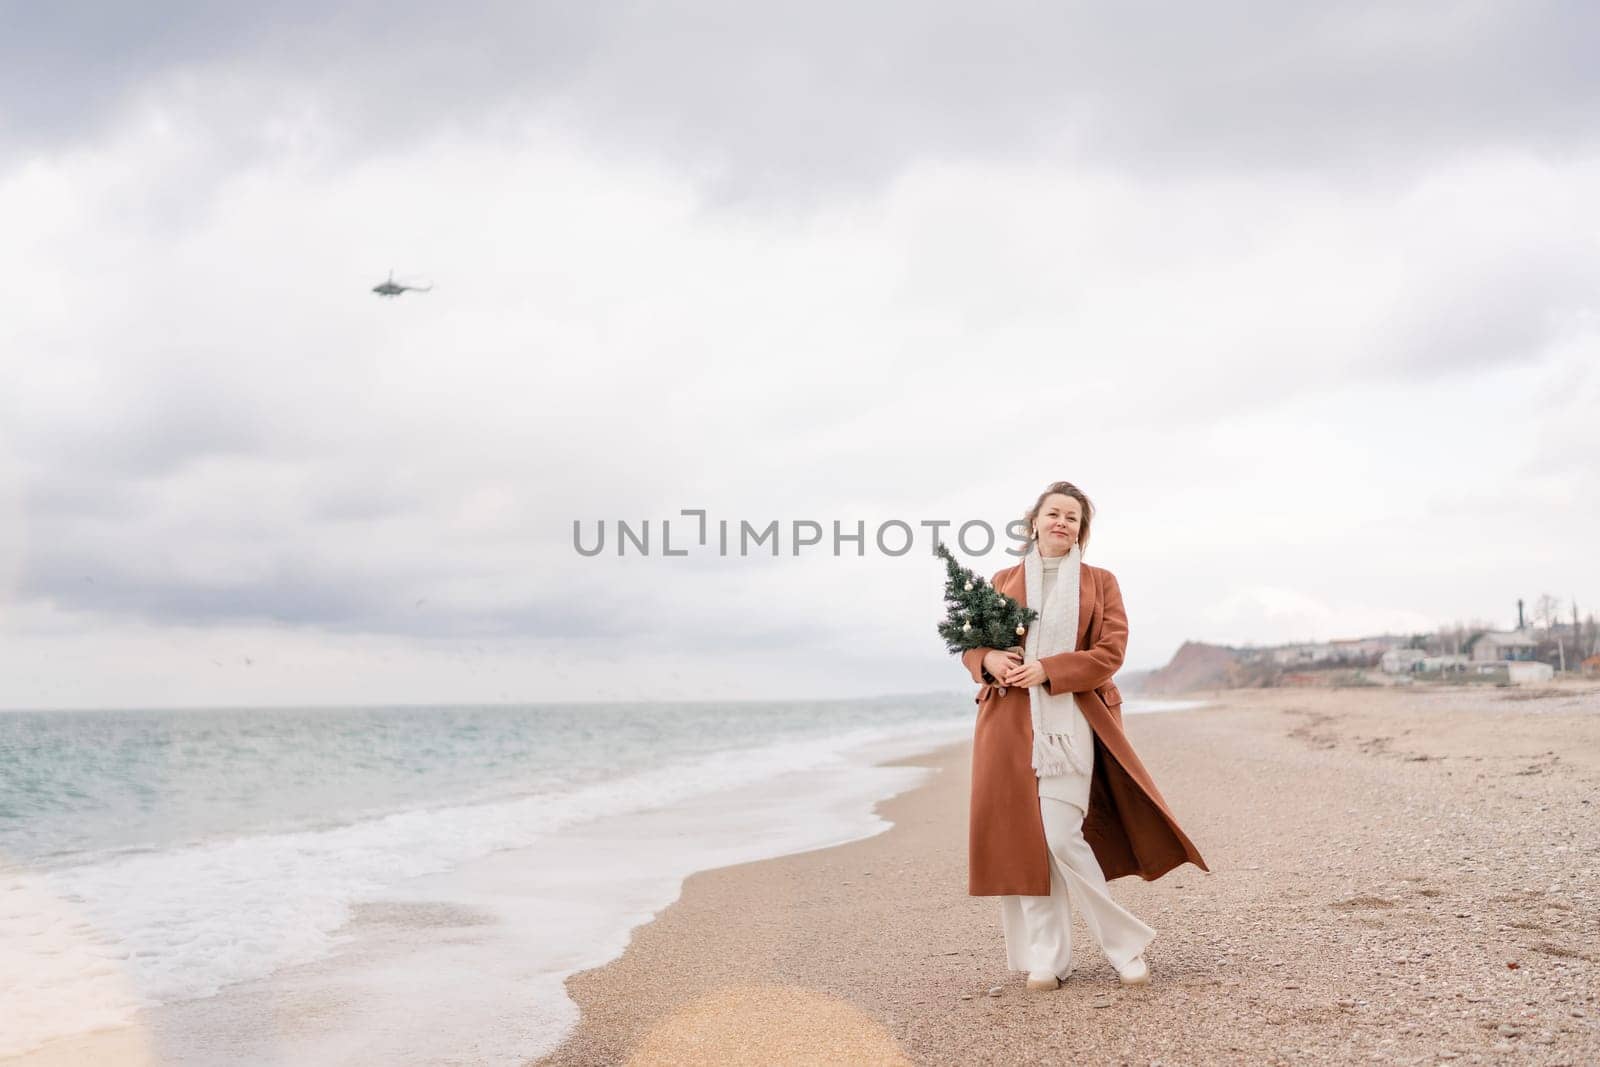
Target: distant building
x,y
1360,651
1525,672
1515,672
1495,645
1362,648
1401,660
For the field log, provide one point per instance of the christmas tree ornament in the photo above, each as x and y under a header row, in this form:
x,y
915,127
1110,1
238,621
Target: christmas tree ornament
x,y
968,587
1021,630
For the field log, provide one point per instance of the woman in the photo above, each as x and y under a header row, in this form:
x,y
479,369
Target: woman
x,y
1060,802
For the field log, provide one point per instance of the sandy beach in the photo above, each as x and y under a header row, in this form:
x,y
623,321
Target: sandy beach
x,y
1398,876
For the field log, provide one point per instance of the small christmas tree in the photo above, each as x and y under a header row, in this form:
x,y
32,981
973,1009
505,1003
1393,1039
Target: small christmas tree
x,y
977,615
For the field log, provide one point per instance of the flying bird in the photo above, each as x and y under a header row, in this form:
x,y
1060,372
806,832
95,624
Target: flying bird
x,y
390,287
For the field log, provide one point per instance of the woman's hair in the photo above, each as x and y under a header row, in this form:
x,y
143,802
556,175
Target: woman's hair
x,y
1077,494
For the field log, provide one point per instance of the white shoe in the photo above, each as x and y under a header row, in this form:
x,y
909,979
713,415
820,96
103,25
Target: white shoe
x,y
1135,972
1043,980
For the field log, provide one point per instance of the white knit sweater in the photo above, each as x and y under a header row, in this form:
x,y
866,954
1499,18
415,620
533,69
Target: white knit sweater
x,y
1052,567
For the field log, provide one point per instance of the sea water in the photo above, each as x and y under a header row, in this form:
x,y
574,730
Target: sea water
x,y
393,884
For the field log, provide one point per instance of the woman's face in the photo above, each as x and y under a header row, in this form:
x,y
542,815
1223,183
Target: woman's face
x,y
1056,525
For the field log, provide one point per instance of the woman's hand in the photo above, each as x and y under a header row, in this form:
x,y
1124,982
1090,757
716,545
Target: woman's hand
x,y
999,663
1024,674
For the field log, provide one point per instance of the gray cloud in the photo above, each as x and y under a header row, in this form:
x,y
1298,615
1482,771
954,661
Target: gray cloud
x,y
1197,236
759,100
313,584
133,440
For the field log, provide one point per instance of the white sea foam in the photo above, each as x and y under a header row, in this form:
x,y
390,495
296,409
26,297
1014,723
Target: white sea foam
x,y
87,946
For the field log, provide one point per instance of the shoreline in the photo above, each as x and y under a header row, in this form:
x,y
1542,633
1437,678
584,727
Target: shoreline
x,y
511,925
608,1011
1380,857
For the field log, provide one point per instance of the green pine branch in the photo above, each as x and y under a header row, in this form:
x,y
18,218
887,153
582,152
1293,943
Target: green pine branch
x,y
977,615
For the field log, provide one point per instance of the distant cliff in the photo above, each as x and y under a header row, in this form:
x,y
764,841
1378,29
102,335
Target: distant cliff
x,y
1197,666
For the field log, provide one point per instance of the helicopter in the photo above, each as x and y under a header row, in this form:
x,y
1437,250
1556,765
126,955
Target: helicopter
x,y
390,287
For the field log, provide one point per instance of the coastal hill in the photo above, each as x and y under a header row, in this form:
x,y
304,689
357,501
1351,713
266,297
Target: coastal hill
x,y
1464,653
1194,666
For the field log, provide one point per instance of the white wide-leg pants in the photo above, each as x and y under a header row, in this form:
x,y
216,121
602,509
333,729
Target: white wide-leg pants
x,y
1038,930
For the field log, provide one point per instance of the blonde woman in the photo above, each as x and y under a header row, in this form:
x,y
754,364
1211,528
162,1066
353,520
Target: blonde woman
x,y
1060,801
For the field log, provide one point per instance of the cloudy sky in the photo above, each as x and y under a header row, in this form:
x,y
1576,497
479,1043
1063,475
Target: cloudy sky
x,y
1304,295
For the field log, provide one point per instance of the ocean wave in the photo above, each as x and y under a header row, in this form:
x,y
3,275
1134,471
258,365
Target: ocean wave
x,y
86,946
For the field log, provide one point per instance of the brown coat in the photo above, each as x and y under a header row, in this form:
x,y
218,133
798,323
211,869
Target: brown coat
x,y
1128,824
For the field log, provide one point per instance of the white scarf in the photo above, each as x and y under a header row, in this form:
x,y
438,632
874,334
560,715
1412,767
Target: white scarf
x,y
1055,630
